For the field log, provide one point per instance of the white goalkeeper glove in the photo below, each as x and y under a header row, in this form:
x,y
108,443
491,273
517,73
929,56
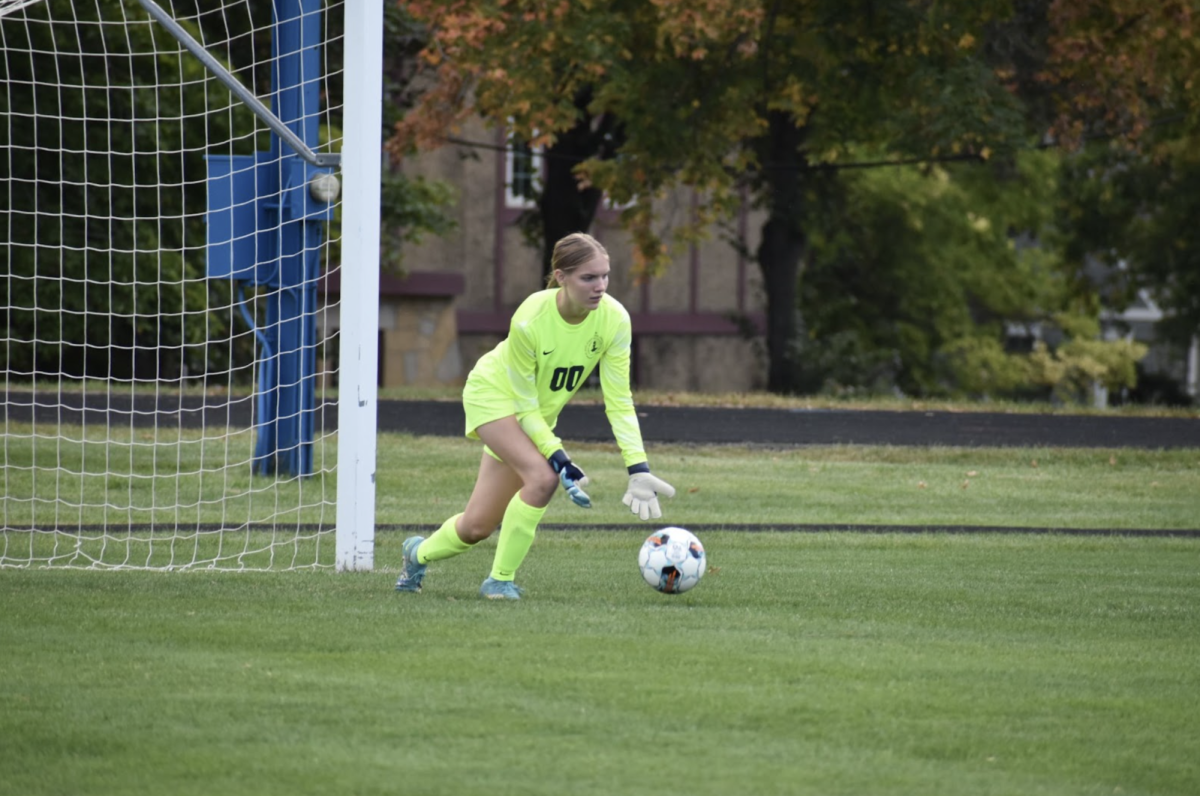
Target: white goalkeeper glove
x,y
643,492
571,478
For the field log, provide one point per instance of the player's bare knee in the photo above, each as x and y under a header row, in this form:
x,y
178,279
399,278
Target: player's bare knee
x,y
542,485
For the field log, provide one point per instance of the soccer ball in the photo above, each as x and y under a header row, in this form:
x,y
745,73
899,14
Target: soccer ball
x,y
672,560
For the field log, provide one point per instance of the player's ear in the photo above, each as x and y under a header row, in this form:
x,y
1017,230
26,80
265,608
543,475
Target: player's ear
x,y
558,276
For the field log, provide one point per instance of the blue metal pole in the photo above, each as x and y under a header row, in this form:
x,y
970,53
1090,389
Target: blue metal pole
x,y
291,308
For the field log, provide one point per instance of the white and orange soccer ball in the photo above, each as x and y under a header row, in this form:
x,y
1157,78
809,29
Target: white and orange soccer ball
x,y
672,560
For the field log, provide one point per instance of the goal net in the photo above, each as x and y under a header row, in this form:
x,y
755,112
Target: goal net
x,y
167,353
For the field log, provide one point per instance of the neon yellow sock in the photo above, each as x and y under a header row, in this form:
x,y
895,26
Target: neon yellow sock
x,y
516,537
442,543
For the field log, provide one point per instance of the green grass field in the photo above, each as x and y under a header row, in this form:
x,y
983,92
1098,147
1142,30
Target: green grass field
x,y
818,662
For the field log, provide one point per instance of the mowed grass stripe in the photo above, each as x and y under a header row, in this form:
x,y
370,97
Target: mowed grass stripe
x,y
422,480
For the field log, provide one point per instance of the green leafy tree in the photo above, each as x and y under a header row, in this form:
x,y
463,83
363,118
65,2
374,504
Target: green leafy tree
x,y
1132,107
907,261
813,86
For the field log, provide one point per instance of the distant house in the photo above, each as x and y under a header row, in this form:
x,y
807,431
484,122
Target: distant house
x,y
460,291
1163,367
1166,374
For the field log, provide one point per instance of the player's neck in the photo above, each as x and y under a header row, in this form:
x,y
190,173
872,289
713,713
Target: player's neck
x,y
572,315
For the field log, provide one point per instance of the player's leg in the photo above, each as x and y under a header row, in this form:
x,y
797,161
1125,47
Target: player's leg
x,y
524,509
496,490
495,486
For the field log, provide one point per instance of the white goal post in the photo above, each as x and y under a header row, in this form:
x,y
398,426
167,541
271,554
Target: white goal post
x,y
180,180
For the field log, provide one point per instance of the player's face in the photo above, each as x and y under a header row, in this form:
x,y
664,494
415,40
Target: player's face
x,y
583,288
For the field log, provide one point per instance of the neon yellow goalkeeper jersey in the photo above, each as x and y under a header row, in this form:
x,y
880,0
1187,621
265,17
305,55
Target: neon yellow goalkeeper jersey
x,y
545,360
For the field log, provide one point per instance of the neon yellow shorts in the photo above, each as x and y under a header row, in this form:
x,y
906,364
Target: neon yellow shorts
x,y
483,403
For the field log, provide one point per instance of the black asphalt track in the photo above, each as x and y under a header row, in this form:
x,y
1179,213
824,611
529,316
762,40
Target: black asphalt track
x,y
785,427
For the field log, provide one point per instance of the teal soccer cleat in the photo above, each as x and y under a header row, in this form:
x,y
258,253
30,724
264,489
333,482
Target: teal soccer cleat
x,y
494,589
410,578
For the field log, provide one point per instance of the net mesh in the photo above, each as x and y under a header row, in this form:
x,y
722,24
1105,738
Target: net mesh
x,y
136,388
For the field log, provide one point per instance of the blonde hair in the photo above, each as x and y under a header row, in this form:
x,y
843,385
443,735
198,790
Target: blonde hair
x,y
571,252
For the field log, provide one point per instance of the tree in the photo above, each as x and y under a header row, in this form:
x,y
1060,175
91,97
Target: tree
x,y
916,275
1117,67
1085,71
719,97
1131,107
909,261
819,83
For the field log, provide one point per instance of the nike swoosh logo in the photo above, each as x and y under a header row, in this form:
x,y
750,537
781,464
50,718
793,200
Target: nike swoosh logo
x,y
548,353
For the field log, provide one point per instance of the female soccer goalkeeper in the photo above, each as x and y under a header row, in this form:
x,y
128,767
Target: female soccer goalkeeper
x,y
512,399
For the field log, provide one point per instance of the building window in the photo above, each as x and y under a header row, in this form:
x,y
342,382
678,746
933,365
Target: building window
x,y
523,173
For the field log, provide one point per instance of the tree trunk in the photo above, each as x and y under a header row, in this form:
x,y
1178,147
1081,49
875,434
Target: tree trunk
x,y
783,245
563,207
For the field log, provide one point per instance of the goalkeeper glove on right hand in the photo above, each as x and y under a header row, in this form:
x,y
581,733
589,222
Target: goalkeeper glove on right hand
x,y
571,478
643,492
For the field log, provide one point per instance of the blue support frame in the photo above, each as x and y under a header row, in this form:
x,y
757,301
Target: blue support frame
x,y
265,229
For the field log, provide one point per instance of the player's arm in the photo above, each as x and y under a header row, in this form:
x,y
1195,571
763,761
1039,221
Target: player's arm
x,y
644,488
618,398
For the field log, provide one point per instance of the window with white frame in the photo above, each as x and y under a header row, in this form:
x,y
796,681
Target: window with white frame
x,y
522,173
